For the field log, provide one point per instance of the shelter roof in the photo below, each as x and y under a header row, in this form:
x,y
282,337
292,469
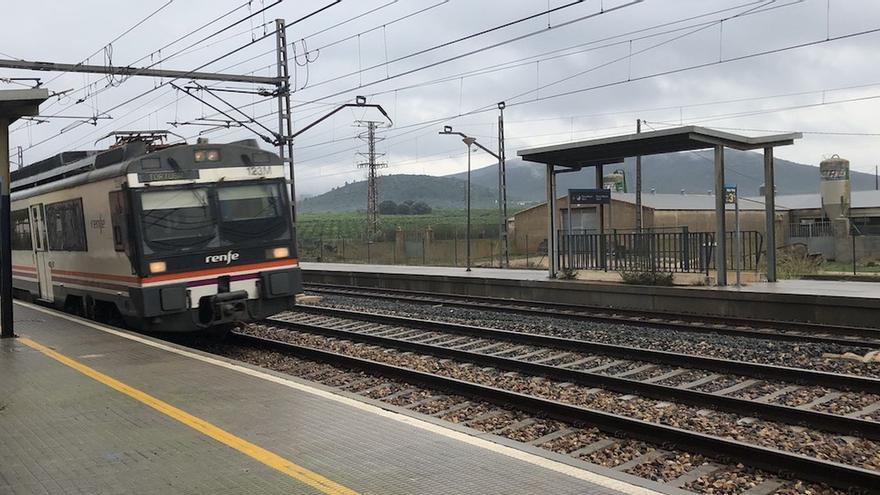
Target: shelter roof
x,y
16,103
614,149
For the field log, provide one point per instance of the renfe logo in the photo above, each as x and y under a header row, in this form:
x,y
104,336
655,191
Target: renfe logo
x,y
229,257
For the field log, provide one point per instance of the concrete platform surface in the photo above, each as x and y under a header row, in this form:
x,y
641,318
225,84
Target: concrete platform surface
x,y
811,301
437,271
88,409
861,290
867,290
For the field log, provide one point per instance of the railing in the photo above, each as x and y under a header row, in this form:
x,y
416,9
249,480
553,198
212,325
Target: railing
x,y
814,229
680,251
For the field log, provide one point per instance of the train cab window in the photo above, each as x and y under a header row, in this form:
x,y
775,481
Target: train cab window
x,y
177,219
251,211
119,220
65,226
21,230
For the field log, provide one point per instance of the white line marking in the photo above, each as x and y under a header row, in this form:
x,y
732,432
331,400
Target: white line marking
x,y
595,478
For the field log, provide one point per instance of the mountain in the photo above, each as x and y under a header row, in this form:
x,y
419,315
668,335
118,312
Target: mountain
x,y
438,192
693,172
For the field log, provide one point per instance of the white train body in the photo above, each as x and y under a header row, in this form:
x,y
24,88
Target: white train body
x,y
177,239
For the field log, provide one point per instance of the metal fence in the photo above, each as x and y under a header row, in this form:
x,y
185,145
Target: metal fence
x,y
680,251
813,229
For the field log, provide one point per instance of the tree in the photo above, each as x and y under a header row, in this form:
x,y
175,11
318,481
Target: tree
x,y
420,208
387,207
403,209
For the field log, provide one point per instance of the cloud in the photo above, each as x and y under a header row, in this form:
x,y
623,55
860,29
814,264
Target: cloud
x,y
326,154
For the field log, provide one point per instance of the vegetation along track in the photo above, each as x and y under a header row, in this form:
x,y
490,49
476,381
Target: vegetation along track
x,y
765,329
572,403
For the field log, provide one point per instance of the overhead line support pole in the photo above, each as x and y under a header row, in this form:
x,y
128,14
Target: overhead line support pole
x,y
285,119
502,190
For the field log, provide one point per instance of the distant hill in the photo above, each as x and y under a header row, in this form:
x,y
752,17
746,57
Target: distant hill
x,y
438,192
693,172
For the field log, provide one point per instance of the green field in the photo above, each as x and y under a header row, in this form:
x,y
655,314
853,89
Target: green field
x,y
862,266
352,225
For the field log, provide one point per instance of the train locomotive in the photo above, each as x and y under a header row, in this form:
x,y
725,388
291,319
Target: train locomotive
x,y
163,238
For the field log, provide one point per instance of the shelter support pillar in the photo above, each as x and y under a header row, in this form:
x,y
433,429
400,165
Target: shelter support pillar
x,y
14,104
770,214
720,220
6,330
600,208
551,216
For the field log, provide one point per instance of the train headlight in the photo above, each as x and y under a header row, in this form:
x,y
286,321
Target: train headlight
x,y
206,155
280,252
157,266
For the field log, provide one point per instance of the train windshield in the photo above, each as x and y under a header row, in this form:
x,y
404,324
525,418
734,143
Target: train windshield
x,y
251,211
179,218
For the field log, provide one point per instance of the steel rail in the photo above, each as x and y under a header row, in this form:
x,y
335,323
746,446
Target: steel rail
x,y
741,327
773,412
763,371
804,467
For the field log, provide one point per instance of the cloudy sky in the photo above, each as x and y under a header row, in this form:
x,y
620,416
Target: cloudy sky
x,y
589,69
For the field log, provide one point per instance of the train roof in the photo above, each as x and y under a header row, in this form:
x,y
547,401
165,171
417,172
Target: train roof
x,y
75,167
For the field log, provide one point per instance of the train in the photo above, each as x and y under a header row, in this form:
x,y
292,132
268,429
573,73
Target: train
x,y
157,237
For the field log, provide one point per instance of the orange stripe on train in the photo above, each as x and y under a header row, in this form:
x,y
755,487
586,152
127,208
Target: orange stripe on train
x,y
170,276
220,270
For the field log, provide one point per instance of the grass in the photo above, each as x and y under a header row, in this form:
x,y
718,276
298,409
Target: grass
x,y
353,224
862,266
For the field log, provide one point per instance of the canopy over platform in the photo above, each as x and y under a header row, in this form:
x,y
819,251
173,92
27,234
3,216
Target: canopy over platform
x,y
614,149
16,103
569,157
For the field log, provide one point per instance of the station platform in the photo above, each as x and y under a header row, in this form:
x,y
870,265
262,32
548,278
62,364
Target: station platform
x,y
814,301
86,408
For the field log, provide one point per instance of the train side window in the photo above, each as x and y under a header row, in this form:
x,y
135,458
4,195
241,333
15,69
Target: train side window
x,y
118,220
65,226
21,230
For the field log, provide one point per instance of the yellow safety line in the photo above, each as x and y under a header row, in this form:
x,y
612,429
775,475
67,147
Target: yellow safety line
x,y
268,458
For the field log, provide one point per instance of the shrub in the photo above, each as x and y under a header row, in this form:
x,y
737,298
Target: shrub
x,y
637,277
567,274
793,262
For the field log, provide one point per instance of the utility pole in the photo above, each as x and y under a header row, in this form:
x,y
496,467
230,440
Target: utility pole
x,y
876,178
502,190
369,136
638,182
285,119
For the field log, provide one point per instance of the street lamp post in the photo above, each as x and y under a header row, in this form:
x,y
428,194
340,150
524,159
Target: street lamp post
x,y
469,141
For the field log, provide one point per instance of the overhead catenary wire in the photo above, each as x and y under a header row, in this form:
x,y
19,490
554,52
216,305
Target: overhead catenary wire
x,y
759,2
585,47
462,55
161,60
762,4
236,50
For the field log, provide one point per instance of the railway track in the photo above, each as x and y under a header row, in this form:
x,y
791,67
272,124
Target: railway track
x,y
358,349
762,329
559,360
621,352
